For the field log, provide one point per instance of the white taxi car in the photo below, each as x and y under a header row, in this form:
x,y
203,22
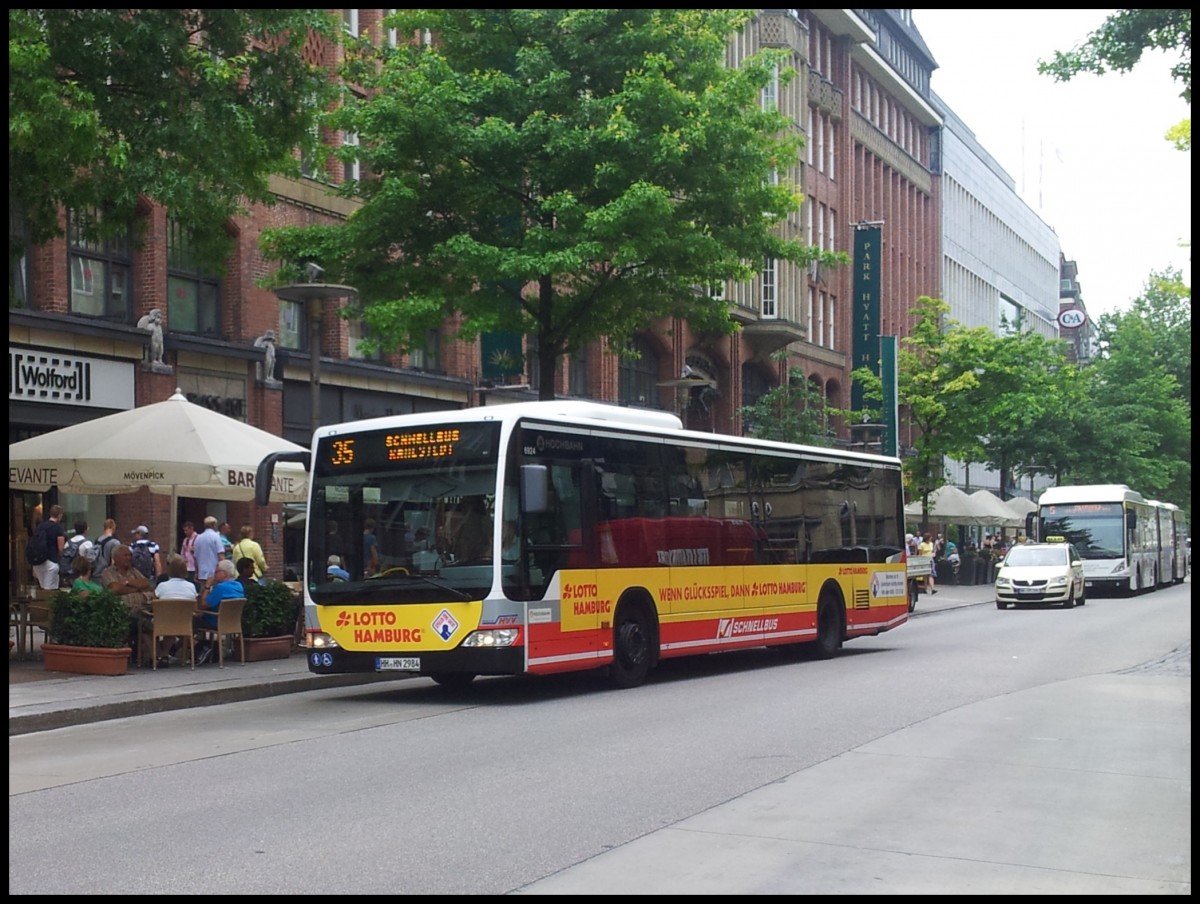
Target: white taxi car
x,y
1040,573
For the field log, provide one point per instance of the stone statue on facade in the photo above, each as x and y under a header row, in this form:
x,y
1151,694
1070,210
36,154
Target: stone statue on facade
x,y
267,343
151,322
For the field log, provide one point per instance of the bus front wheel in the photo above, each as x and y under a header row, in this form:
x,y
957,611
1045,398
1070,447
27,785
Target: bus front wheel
x,y
632,640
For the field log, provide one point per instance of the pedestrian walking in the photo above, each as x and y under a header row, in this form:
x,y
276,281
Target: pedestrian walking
x,y
50,538
187,549
209,551
105,544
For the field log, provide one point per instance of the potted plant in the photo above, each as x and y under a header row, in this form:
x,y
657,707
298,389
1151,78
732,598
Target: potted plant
x,y
966,567
269,621
89,634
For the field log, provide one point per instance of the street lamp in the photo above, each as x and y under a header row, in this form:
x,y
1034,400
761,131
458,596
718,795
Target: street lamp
x,y
311,295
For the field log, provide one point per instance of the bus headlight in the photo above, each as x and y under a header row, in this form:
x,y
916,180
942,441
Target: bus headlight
x,y
496,637
319,640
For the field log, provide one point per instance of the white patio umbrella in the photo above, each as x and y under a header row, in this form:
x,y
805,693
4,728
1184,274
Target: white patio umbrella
x,y
946,504
1022,505
993,512
174,448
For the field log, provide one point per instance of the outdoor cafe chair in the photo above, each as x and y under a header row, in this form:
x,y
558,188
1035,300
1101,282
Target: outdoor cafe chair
x,y
171,618
229,624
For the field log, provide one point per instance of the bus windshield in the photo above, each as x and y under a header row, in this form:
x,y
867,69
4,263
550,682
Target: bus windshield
x,y
403,515
1096,530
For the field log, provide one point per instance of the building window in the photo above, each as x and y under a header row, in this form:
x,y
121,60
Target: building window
x,y
754,384
352,169
359,333
100,270
193,292
311,161
770,284
770,93
578,373
637,375
350,21
429,357
293,325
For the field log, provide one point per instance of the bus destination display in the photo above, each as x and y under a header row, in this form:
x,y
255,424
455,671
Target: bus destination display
x,y
410,445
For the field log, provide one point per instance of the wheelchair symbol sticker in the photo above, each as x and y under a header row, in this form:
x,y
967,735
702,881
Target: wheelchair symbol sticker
x,y
445,625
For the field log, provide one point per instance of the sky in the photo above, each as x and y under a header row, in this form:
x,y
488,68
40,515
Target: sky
x,y
1087,155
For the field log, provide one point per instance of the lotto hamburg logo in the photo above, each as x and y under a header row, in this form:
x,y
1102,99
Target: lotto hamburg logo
x,y
377,627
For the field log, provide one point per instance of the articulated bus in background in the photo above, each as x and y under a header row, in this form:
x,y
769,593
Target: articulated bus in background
x,y
1172,543
1115,530
548,537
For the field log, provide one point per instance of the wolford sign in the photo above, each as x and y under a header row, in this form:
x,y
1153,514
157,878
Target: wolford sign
x,y
63,379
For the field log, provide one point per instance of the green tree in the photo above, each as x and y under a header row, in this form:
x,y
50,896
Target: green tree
x,y
1022,387
1141,395
792,412
190,108
572,174
937,377
1120,41
1118,45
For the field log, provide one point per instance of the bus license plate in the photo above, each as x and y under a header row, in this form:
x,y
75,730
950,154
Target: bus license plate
x,y
398,664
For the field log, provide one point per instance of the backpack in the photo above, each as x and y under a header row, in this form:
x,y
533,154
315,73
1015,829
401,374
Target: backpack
x,y
37,550
70,551
103,554
143,560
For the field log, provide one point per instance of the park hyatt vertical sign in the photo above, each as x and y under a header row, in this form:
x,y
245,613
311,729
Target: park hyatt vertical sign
x,y
865,348
55,378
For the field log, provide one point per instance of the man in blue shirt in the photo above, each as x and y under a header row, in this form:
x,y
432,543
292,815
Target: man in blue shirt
x,y
225,587
335,570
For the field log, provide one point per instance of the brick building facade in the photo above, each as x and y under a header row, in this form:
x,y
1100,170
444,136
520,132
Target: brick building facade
x,y
862,102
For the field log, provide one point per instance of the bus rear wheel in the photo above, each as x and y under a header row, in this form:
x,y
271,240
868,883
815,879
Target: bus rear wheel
x,y
632,639
829,629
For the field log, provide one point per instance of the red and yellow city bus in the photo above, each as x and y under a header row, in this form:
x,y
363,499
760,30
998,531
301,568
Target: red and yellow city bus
x,y
557,536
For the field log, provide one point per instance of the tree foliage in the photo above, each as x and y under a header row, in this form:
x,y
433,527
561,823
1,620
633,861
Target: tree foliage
x,y
795,411
1140,394
1118,45
936,375
190,108
1015,403
566,173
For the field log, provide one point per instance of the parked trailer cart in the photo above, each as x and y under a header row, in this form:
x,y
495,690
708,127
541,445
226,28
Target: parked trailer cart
x,y
919,568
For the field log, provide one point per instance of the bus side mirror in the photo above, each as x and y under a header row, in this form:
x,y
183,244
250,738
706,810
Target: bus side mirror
x,y
1130,519
1029,522
535,488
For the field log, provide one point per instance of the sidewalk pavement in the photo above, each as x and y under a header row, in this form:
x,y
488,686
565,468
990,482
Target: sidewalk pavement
x,y
39,700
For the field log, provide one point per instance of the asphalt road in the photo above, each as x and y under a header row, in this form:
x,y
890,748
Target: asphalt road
x,y
971,752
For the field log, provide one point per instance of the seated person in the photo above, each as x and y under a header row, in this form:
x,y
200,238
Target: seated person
x,y
510,547
130,584
225,587
245,573
335,570
85,582
473,538
177,586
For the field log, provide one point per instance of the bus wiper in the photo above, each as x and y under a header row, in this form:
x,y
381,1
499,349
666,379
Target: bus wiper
x,y
465,597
